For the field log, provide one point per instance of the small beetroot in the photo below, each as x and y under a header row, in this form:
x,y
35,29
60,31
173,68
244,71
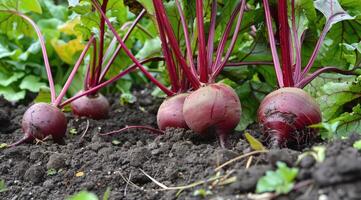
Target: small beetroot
x,y
93,106
42,120
170,112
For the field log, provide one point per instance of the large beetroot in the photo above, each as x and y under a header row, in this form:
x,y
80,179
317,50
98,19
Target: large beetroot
x,y
286,112
213,108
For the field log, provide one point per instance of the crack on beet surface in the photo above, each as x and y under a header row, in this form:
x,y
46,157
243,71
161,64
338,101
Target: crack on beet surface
x,y
289,118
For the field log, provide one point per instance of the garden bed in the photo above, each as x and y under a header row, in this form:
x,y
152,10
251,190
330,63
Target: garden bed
x,y
178,158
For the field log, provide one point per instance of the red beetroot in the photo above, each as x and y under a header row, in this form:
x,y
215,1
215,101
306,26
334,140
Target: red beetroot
x,y
42,120
92,106
287,111
213,108
170,112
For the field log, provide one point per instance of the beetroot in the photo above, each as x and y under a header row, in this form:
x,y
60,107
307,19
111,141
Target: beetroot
x,y
286,112
213,108
42,120
92,106
170,112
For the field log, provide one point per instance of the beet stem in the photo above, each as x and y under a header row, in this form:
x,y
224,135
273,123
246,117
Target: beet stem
x,y
130,54
27,138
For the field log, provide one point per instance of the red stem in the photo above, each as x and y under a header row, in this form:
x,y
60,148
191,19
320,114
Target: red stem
x,y
101,44
94,62
87,72
186,37
284,37
119,47
236,64
308,79
233,41
170,65
272,42
73,72
317,47
158,5
211,34
224,39
130,55
43,49
202,52
112,80
298,64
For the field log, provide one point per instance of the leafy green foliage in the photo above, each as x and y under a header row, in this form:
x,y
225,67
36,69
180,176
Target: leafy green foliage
x,y
21,61
280,181
357,145
83,195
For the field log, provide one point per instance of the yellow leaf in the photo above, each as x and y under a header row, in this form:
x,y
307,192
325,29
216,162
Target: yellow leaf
x,y
68,27
66,51
79,174
255,144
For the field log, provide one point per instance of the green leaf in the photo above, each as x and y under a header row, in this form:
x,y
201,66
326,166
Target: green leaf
x,y
6,78
151,48
357,145
335,95
30,5
349,122
73,3
127,98
148,5
280,181
83,195
51,172
10,94
2,186
3,145
31,83
43,96
332,10
106,194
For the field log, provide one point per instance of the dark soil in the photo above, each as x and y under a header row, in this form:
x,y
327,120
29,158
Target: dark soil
x,y
177,158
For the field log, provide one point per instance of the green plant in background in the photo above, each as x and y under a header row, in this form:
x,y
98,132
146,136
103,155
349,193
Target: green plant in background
x,y
21,67
85,195
21,64
280,181
2,186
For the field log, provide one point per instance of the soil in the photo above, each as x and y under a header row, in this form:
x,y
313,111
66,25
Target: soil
x,y
180,157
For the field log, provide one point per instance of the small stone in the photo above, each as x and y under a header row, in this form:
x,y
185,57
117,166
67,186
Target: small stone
x,y
307,162
48,184
56,161
34,174
36,155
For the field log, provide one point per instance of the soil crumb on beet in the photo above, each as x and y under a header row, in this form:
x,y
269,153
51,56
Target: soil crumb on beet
x,y
179,157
